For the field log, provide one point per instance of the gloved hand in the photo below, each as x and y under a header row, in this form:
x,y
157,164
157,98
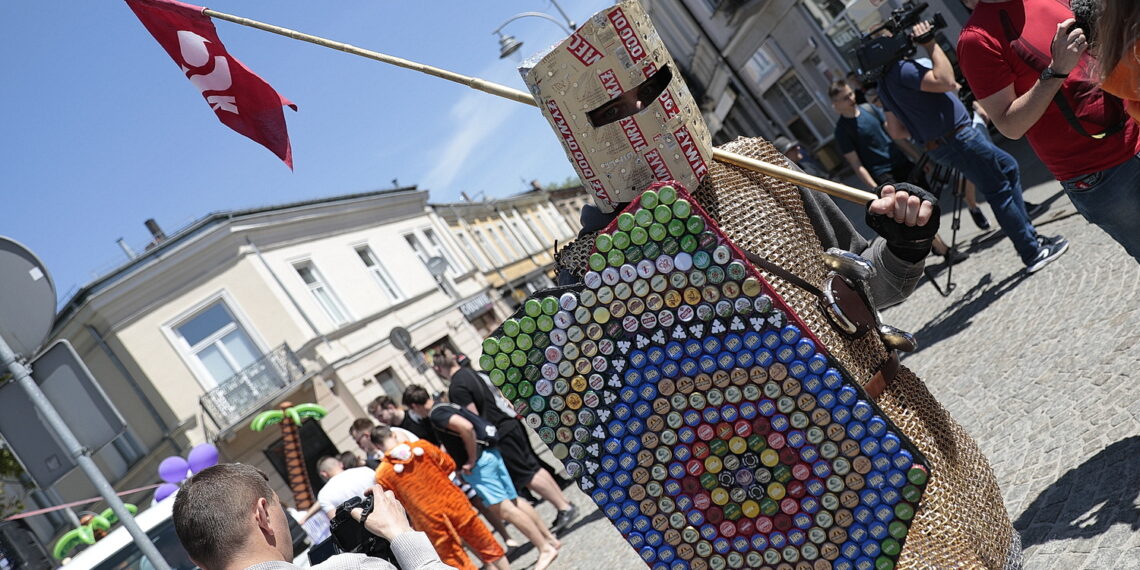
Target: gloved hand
x,y
907,217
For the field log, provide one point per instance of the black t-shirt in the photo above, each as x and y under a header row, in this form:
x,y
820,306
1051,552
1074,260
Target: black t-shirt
x,y
468,388
440,417
421,428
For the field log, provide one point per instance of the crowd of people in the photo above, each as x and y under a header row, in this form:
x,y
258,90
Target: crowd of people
x,y
432,463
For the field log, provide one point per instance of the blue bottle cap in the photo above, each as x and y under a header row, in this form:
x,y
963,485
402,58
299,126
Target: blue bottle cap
x,y
890,497
721,545
765,358
805,348
711,345
896,478
648,553
656,354
617,494
869,497
850,550
635,426
600,497
881,461
796,536
847,395
670,369
856,430
790,334
777,539
832,379
815,487
613,512
616,428
745,359
817,364
826,399
748,410
871,548
870,446
695,517
630,509
840,414
812,384
766,407
890,443
623,411
877,426
785,354
864,563
689,367
902,460
654,538
623,479
604,480
863,514
693,347
862,411
652,375
770,340
752,340
878,530
666,553
707,364
802,521
642,524
797,369
884,513
635,539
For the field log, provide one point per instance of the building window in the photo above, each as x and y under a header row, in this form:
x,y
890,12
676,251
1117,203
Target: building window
x,y
436,245
761,66
322,293
218,343
506,243
379,273
476,254
496,257
425,256
524,235
391,385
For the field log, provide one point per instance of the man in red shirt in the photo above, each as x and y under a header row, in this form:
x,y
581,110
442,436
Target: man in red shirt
x,y
1033,78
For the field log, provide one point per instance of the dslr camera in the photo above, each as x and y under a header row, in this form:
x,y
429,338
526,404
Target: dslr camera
x,y
350,536
877,50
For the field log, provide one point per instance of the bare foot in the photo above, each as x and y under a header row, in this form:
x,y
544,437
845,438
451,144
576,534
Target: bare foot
x,y
546,558
557,544
512,543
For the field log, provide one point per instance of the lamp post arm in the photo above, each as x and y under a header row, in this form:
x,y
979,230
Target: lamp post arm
x,y
569,22
536,15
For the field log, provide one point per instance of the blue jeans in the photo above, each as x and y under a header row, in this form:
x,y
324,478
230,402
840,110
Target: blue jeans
x,y
1111,199
996,175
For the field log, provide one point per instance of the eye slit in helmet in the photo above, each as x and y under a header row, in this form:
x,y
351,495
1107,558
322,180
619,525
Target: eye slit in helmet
x,y
633,101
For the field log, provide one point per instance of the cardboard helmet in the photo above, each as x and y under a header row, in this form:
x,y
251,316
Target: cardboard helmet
x,y
622,112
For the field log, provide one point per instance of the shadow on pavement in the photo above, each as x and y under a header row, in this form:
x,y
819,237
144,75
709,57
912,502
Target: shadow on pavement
x,y
1087,500
958,316
514,554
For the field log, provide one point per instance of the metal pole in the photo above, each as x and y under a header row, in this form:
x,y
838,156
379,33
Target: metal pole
x,y
21,375
793,176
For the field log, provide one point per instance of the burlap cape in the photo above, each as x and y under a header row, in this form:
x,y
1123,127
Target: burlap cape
x,y
962,521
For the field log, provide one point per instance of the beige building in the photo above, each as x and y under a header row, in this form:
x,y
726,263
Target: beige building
x,y
511,240
245,309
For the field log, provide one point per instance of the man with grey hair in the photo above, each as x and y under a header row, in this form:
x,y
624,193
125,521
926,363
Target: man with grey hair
x,y
228,518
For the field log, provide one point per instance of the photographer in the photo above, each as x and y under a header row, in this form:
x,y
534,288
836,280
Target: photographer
x,y
227,518
1026,61
922,101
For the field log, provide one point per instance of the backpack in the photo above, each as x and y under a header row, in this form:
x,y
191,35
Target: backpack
x,y
486,434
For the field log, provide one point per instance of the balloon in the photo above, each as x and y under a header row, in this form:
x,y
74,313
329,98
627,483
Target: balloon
x,y
165,490
173,469
202,456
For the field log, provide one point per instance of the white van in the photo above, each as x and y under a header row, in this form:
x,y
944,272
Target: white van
x,y
117,551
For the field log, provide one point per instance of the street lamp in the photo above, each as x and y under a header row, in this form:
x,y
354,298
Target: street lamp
x,y
509,45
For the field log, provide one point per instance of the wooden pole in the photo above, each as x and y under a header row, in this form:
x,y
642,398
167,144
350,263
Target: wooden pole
x,y
794,176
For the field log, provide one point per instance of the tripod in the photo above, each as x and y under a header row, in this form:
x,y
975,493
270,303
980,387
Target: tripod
x,y
937,179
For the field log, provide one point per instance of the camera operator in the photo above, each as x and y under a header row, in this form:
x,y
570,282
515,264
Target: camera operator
x,y
1026,61
922,101
227,518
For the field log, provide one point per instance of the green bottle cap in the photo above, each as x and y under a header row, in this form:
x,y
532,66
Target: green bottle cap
x,y
663,213
506,346
621,240
491,346
670,246
545,324
511,327
615,258
916,475
625,221
514,375
688,243
526,389
643,217
603,242
502,361
652,250
676,227
487,362
657,232
904,511
526,324
897,529
518,357
884,563
633,254
695,224
509,391
638,236
497,377
649,199
532,307
890,547
597,261
667,195
682,208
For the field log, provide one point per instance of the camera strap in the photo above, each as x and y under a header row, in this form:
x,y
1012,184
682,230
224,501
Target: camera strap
x,y
1033,58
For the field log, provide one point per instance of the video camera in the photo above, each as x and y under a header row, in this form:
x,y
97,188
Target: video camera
x,y
349,535
877,50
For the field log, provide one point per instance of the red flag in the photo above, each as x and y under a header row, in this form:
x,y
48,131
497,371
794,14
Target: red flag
x,y
242,101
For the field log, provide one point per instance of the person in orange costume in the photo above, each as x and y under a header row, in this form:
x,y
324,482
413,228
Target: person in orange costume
x,y
417,472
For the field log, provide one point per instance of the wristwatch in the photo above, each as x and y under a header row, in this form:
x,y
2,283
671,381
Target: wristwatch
x,y
1050,73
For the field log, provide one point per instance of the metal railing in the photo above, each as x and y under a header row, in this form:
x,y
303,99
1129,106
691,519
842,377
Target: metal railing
x,y
252,387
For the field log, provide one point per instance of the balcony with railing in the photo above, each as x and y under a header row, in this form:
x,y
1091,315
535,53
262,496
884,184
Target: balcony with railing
x,y
253,387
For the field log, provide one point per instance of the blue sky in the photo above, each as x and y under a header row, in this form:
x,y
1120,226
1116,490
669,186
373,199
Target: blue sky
x,y
102,131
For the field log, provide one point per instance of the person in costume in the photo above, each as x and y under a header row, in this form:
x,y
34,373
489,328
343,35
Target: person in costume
x,y
583,87
418,473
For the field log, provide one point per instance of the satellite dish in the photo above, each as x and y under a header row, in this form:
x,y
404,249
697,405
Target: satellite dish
x,y
436,266
27,298
400,338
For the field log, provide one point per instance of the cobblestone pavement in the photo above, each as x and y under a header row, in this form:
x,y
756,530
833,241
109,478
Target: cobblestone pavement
x,y
1041,370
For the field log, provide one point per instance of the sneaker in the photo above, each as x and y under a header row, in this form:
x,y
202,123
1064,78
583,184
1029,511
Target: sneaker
x,y
980,219
1035,210
564,519
1051,248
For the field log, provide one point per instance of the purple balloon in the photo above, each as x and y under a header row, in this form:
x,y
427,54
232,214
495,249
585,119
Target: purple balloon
x,y
165,490
202,456
173,469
